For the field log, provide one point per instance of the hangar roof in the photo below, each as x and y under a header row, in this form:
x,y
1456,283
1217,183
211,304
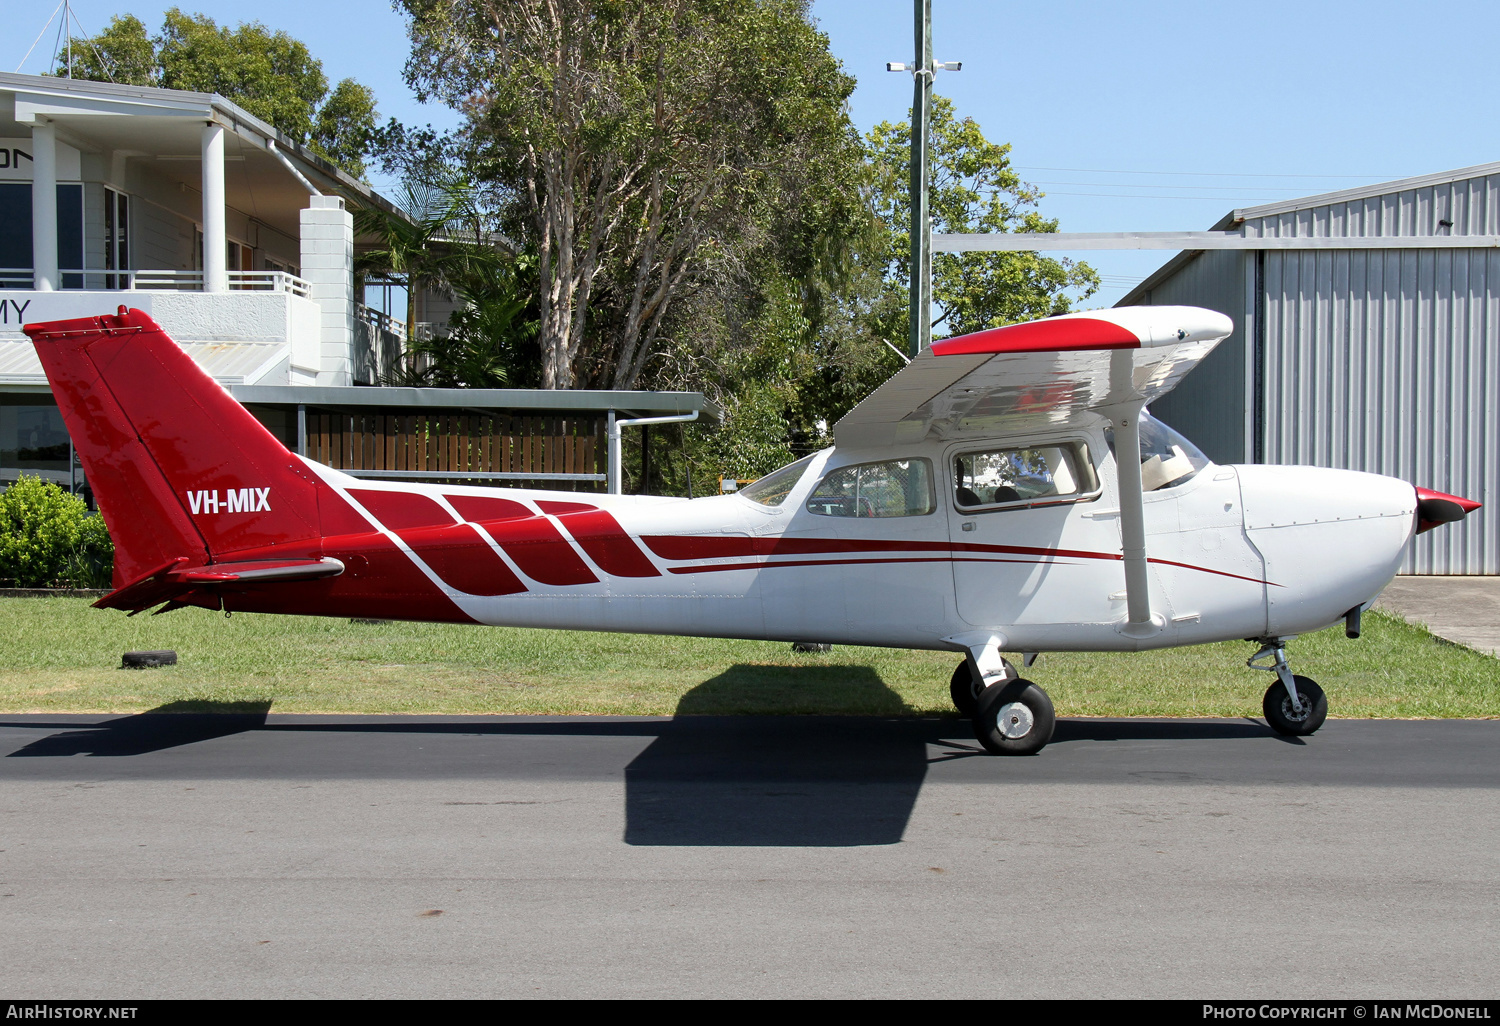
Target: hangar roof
x,y
1235,217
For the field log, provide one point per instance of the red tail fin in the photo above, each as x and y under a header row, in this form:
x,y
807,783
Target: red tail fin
x,y
178,467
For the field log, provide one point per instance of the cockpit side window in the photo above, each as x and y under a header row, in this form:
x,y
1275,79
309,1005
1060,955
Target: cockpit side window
x,y
1023,476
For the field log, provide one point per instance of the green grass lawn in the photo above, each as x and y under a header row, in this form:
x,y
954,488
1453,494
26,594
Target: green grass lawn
x,y
61,656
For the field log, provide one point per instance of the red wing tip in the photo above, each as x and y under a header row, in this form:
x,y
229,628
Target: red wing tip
x,y
1052,335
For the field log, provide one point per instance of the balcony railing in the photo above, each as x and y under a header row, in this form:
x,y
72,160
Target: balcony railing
x,y
252,281
379,342
171,280
380,321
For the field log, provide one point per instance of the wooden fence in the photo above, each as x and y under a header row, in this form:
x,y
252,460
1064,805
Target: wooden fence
x,y
453,445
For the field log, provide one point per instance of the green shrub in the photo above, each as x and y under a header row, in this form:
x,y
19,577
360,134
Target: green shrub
x,y
49,539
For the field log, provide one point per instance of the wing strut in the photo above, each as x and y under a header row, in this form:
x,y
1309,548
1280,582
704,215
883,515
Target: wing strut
x,y
1125,419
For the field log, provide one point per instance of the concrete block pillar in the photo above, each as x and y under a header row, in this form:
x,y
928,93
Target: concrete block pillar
x,y
44,270
215,233
328,268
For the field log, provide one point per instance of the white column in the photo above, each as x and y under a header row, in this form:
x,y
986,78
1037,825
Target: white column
x,y
328,268
215,237
45,274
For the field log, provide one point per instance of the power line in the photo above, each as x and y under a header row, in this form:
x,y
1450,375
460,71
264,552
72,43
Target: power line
x,y
1173,185
1236,198
1196,174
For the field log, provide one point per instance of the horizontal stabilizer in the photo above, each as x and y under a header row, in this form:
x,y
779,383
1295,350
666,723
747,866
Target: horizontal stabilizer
x,y
260,570
172,580
147,589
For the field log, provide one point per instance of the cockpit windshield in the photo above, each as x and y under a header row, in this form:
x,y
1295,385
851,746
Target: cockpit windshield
x,y
773,489
1167,458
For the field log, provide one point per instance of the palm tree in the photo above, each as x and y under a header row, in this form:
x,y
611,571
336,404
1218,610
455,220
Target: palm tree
x,y
432,240
435,241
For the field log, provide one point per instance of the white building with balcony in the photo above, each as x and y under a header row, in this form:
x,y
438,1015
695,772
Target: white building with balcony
x,y
235,239
241,245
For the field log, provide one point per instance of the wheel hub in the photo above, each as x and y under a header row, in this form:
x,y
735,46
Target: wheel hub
x,y
1295,715
1015,720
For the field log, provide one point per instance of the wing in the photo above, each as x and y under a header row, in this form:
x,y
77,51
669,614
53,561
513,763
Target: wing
x,y
1051,372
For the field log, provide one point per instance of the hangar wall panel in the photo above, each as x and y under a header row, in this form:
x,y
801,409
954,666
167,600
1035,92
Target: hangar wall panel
x,y
1385,361
1378,360
1209,405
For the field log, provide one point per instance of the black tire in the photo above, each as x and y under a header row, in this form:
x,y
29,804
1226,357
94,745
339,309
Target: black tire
x,y
965,690
1277,705
146,660
1014,718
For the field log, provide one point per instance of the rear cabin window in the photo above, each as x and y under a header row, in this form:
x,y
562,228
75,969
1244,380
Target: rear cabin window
x,y
1040,475
895,488
773,489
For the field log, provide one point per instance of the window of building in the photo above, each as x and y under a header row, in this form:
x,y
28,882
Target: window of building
x,y
894,488
70,235
33,441
116,239
15,235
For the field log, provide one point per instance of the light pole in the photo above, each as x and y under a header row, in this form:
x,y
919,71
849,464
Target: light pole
x,y
922,72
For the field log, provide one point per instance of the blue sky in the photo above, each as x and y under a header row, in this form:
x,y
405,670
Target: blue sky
x,y
1130,116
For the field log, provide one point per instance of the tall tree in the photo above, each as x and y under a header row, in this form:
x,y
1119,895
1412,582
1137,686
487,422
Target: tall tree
x,y
270,74
650,149
973,189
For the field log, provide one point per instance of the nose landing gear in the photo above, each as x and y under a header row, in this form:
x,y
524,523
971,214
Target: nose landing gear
x,y
1294,705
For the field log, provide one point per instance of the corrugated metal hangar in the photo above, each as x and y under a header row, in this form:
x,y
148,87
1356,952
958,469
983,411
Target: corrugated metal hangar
x,y
1367,337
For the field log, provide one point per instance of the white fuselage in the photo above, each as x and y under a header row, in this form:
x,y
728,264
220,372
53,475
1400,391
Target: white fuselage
x,y
1235,552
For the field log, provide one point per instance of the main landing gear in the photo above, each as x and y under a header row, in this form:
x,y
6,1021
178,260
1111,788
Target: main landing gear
x,y
1011,717
1294,705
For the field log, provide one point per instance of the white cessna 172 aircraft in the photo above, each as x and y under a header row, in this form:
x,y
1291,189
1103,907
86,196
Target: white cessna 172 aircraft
x,y
1005,492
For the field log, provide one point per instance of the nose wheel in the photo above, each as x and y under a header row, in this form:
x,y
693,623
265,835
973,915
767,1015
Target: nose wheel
x,y
1295,720
1294,705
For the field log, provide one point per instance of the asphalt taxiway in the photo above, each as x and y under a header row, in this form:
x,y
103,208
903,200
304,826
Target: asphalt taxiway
x,y
169,855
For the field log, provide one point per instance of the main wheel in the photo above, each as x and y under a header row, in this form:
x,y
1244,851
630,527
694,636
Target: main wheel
x,y
1283,719
1014,718
965,690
